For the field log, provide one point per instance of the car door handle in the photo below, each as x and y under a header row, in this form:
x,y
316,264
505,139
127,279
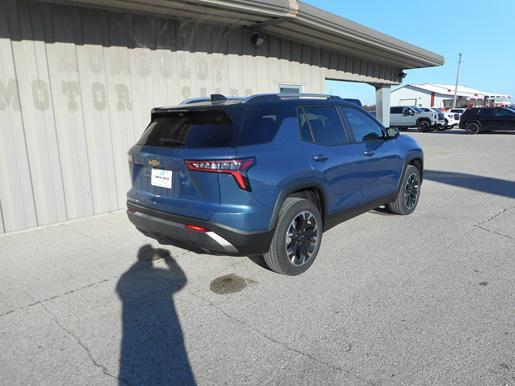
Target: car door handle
x,y
368,153
320,158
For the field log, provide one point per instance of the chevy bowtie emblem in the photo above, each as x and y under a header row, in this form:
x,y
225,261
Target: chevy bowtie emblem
x,y
153,162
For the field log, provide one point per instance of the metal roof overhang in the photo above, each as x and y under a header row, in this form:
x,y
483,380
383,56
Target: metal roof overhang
x,y
291,19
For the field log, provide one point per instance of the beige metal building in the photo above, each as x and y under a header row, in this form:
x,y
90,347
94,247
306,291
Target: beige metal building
x,y
78,79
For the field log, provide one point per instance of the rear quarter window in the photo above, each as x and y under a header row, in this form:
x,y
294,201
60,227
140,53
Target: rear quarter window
x,y
190,129
260,125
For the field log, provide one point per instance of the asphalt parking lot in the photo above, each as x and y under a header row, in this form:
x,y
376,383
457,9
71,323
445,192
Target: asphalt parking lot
x,y
423,299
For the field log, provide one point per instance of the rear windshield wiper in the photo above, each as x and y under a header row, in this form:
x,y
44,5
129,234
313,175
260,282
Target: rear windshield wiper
x,y
170,141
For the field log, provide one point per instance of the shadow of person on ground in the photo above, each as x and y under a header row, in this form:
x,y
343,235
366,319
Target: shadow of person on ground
x,y
489,185
152,347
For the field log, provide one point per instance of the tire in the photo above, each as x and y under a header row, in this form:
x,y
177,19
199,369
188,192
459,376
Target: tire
x,y
409,192
472,128
290,242
423,125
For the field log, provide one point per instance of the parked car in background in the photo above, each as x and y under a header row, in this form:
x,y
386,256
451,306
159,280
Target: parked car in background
x,y
457,111
449,120
405,117
266,175
477,120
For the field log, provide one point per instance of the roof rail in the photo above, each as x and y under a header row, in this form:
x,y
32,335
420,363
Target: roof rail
x,y
273,97
309,96
213,98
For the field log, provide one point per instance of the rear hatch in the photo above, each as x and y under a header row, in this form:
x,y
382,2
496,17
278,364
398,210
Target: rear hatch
x,y
160,178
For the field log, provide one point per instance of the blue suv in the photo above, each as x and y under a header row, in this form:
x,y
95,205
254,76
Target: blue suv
x,y
266,175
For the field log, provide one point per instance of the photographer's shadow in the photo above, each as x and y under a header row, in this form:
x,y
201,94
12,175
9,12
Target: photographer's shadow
x,y
152,347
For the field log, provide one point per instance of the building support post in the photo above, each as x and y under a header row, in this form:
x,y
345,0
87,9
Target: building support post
x,y
383,104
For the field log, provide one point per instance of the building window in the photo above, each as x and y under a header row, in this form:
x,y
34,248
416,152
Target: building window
x,y
290,89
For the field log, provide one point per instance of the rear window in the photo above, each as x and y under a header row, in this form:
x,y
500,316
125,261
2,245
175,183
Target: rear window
x,y
190,129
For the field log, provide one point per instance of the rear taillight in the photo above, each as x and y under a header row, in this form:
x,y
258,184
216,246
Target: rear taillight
x,y
235,167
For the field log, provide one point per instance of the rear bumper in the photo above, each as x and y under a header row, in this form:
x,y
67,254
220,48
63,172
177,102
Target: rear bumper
x,y
170,229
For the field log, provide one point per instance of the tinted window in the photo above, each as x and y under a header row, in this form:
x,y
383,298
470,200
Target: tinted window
x,y
470,112
395,110
487,112
362,126
502,113
260,125
322,125
189,129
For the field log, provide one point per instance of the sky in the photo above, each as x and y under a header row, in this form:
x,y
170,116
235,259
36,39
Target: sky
x,y
483,31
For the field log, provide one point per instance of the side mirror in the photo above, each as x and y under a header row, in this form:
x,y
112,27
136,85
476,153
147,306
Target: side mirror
x,y
411,112
406,113
392,133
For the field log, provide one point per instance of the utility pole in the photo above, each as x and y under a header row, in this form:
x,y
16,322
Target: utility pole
x,y
456,85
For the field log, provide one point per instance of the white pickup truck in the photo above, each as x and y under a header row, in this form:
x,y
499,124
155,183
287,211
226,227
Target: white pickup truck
x,y
405,117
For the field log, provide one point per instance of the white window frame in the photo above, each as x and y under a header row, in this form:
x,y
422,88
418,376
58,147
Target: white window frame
x,y
290,85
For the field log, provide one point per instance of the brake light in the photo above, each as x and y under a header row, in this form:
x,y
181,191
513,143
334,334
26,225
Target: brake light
x,y
196,228
235,167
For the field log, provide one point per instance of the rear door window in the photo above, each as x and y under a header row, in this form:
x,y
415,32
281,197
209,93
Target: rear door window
x,y
487,112
395,110
190,129
322,125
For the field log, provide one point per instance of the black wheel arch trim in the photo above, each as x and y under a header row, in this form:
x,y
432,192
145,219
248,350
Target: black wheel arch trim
x,y
412,156
425,119
294,187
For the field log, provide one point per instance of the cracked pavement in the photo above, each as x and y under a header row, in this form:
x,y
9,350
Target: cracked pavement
x,y
427,298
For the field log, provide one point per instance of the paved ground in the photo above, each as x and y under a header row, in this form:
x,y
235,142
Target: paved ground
x,y
422,299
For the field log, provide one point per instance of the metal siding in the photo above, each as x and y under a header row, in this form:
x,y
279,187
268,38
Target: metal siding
x,y
119,102
93,86
17,210
87,80
38,116
68,110
2,229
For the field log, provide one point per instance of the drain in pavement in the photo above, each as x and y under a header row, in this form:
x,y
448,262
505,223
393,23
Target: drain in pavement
x,y
228,284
